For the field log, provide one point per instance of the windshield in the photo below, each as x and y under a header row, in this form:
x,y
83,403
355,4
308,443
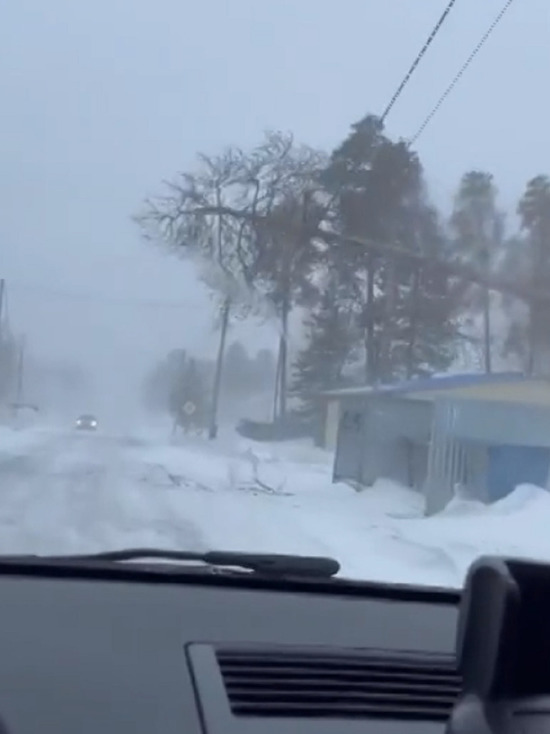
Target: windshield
x,y
275,278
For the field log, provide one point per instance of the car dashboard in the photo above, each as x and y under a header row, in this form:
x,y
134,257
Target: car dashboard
x,y
102,650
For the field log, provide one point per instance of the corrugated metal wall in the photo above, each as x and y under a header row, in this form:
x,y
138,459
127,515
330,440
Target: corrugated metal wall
x,y
349,455
396,431
501,422
332,417
438,446
529,392
453,462
465,434
383,437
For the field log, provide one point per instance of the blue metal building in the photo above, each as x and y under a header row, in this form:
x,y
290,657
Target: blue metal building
x,y
484,433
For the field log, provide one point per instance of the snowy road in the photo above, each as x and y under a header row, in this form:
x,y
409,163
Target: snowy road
x,y
63,492
68,492
83,492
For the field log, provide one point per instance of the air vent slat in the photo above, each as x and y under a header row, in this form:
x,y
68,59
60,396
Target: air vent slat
x,y
395,689
277,683
312,696
288,674
346,710
292,660
331,665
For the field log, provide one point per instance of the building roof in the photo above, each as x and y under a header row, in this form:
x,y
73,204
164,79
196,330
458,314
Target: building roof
x,y
442,382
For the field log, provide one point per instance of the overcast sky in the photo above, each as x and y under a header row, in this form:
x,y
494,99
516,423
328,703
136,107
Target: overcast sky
x,y
103,99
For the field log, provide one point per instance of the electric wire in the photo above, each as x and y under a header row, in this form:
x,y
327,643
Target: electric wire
x,y
459,75
415,63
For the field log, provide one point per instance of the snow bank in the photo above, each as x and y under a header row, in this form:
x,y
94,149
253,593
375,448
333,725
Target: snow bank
x,y
515,526
15,442
280,498
67,493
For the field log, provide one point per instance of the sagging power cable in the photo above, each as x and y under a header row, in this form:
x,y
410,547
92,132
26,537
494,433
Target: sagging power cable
x,y
466,64
415,63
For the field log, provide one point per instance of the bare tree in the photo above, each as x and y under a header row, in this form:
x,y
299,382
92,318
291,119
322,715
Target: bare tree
x,y
190,220
247,218
287,207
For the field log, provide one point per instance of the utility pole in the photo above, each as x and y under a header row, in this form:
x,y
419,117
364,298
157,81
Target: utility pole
x,y
2,292
213,422
2,298
20,371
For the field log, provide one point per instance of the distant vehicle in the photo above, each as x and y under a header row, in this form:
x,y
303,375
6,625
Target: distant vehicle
x,y
86,422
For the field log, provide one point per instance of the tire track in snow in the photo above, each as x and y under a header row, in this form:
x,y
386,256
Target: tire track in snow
x,y
80,494
439,559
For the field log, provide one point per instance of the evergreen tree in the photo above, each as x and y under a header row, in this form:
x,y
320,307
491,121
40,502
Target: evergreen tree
x,y
534,212
349,181
330,340
477,226
425,329
405,312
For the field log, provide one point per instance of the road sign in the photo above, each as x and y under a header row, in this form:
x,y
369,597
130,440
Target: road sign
x,y
189,408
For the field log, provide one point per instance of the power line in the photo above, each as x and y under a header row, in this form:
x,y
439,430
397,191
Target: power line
x,y
415,63
466,64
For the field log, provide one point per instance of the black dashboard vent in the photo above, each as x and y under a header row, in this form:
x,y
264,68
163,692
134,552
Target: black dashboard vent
x,y
363,684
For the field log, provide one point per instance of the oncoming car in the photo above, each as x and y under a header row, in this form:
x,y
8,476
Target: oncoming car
x,y
86,422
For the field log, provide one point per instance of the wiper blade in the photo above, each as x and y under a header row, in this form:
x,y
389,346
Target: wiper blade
x,y
274,564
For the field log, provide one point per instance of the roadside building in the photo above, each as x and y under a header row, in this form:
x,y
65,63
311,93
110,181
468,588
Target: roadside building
x,y
483,433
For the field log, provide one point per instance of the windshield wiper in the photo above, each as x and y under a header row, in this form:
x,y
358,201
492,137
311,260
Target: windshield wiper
x,y
273,564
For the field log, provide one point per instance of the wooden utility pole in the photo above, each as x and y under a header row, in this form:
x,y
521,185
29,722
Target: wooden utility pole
x,y
213,422
20,371
2,292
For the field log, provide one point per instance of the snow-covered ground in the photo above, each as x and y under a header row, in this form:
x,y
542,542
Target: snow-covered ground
x,y
15,443
63,492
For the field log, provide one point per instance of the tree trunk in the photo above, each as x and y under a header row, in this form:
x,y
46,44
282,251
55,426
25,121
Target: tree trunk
x,y
283,351
277,385
486,308
370,346
213,423
487,330
533,317
286,290
530,366
388,327
415,291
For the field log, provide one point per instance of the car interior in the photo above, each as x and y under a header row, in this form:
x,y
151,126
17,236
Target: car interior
x,y
100,644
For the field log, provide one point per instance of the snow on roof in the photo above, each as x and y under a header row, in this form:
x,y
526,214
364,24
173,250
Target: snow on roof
x,y
440,382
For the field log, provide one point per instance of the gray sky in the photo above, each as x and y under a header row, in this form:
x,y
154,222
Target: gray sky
x,y
103,99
